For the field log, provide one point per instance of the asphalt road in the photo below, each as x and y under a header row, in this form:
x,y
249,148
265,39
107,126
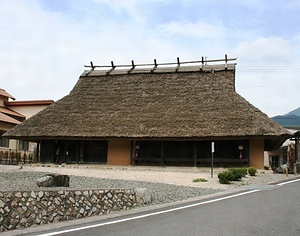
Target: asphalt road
x,y
256,210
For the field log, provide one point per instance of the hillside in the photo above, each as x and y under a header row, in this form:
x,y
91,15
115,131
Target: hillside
x,y
295,112
289,120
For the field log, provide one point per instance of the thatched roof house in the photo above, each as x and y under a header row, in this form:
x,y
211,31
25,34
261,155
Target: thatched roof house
x,y
131,115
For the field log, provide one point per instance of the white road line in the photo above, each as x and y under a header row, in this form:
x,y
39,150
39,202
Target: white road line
x,y
288,182
147,215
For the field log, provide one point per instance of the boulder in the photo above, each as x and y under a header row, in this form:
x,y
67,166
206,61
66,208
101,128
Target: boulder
x,y
143,196
53,180
283,169
45,181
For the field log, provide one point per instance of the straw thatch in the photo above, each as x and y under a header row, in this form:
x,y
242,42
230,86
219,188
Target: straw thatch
x,y
187,104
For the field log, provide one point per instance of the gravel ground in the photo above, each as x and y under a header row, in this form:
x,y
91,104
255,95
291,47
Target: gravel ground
x,y
166,184
161,193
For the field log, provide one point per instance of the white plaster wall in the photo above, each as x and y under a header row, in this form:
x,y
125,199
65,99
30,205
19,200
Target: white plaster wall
x,y
28,111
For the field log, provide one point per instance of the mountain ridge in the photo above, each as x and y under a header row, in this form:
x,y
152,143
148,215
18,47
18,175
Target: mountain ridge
x,y
294,112
289,120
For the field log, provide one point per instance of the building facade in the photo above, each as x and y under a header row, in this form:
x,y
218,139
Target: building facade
x,y
154,115
287,153
13,113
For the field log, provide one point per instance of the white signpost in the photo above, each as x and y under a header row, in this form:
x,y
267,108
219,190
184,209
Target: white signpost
x,y
212,159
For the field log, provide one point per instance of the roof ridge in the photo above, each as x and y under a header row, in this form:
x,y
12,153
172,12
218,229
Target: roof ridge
x,y
160,70
30,102
130,68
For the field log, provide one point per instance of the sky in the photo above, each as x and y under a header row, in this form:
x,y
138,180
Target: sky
x,y
44,44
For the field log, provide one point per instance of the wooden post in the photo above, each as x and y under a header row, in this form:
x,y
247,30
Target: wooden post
x,y
162,152
38,151
195,154
212,159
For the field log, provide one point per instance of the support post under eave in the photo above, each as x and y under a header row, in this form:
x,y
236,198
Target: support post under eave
x,y
132,153
195,154
38,151
162,152
296,149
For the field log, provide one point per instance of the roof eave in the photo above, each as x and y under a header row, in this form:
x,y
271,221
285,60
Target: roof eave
x,y
271,141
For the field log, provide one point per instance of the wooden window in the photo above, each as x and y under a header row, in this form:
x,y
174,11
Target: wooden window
x,y
23,145
274,160
4,142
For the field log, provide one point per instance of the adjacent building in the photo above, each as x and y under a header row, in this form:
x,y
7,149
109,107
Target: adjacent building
x,y
13,113
287,153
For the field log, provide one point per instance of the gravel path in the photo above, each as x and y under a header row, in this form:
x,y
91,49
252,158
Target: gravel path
x,y
166,184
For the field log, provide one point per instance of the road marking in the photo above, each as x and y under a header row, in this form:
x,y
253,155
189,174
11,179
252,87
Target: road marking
x,y
147,215
288,182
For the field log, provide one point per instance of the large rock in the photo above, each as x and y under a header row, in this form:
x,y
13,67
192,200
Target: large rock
x,y
53,180
283,169
143,196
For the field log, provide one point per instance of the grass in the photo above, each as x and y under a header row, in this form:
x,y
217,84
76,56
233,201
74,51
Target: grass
x,y
199,180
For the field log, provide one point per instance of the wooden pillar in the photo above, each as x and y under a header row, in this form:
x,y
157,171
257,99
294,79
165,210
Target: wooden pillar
x,y
132,152
195,154
118,152
162,152
38,151
256,153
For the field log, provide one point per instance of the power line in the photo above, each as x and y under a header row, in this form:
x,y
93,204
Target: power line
x,y
268,68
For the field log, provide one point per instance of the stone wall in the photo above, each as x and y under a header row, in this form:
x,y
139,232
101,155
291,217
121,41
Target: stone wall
x,y
20,209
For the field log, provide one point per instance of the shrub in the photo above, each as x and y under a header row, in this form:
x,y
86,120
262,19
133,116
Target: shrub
x,y
18,157
266,167
252,171
232,174
200,180
243,171
12,156
225,177
30,158
274,168
237,173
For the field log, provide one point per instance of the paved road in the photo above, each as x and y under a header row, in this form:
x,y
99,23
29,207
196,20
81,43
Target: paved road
x,y
257,210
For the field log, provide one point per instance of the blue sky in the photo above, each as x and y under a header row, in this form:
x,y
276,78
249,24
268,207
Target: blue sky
x,y
45,44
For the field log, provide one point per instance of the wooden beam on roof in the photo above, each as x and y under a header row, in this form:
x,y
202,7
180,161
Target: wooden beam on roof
x,y
155,66
132,67
178,64
112,68
202,63
92,68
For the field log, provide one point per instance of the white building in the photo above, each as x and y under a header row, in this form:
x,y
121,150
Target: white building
x,y
287,154
13,113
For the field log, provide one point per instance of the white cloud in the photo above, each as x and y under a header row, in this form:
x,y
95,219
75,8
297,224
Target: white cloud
x,y
43,48
265,49
39,47
197,30
267,74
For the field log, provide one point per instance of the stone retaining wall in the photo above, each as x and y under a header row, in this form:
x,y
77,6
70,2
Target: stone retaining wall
x,y
20,209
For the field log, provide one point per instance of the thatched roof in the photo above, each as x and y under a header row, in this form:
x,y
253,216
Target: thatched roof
x,y
187,104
